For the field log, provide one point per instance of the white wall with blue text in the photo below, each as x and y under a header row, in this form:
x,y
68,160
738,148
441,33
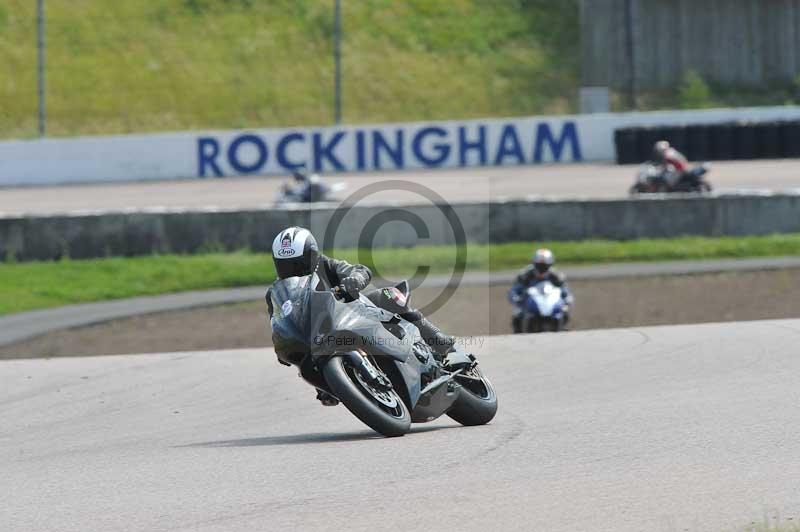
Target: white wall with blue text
x,y
384,147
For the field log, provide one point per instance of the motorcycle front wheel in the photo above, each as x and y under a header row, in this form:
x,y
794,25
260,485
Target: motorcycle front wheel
x,y
477,401
533,325
382,410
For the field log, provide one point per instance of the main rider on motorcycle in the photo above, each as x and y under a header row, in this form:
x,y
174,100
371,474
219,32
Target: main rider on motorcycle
x,y
295,253
540,269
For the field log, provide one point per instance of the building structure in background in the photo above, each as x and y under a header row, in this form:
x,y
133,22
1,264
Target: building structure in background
x,y
634,46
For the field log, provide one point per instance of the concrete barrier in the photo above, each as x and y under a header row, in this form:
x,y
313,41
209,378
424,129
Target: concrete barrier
x,y
145,232
453,144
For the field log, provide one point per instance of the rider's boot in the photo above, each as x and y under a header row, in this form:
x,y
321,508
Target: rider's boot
x,y
326,399
438,341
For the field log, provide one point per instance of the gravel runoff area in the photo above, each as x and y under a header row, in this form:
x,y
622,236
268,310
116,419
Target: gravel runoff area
x,y
473,311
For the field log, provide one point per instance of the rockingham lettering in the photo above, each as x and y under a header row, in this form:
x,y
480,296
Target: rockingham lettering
x,y
391,147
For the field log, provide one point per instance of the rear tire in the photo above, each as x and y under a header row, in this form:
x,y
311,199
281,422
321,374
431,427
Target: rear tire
x,y
637,189
477,402
358,400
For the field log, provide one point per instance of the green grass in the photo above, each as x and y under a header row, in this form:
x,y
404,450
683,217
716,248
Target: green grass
x,y
157,65
149,65
28,286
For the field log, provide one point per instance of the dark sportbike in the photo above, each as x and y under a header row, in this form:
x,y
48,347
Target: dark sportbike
x,y
651,179
373,361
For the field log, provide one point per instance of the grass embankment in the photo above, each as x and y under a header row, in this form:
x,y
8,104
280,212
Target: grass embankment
x,y
27,286
156,65
150,65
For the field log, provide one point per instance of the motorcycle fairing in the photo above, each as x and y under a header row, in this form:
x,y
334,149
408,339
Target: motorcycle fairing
x,y
312,318
309,320
544,299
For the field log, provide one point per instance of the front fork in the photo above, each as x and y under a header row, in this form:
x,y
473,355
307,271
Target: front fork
x,y
371,374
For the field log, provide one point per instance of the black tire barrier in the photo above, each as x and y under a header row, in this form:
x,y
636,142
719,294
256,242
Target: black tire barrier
x,y
768,138
675,135
721,141
745,141
625,142
790,138
648,136
712,142
698,143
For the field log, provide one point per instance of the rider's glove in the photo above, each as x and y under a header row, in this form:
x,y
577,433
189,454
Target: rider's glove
x,y
352,286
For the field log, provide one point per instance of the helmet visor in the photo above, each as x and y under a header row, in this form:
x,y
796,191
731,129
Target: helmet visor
x,y
541,267
306,264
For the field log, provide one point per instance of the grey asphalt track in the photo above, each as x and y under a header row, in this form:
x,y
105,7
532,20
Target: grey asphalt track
x,y
665,428
461,184
26,325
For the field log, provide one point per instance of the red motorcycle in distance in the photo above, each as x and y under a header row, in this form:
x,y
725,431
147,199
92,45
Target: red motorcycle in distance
x,y
651,179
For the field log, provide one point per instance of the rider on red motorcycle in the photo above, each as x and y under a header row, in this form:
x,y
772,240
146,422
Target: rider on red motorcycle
x,y
673,163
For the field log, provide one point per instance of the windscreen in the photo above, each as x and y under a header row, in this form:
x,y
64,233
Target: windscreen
x,y
296,301
308,318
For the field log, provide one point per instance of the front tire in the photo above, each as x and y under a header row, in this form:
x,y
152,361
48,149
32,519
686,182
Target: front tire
x,y
366,403
477,400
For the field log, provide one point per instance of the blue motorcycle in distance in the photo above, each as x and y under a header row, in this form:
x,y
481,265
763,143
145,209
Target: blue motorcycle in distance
x,y
539,308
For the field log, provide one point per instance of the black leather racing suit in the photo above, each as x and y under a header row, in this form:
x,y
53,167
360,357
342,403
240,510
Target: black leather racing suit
x,y
333,271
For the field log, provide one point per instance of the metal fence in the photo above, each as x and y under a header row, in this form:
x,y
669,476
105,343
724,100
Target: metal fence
x,y
651,44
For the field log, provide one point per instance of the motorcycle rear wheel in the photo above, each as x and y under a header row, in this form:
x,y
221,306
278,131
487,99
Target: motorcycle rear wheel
x,y
637,189
382,411
477,400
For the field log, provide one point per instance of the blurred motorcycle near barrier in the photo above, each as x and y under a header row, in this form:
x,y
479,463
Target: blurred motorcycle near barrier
x,y
651,179
307,189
